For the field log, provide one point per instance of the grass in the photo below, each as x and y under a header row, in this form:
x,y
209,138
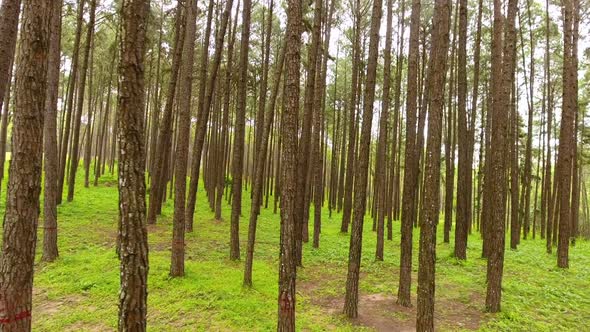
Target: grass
x,y
79,291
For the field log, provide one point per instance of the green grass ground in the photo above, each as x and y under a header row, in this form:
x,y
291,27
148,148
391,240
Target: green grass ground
x,y
79,291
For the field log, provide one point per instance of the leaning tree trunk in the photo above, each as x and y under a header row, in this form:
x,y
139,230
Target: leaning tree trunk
x,y
133,252
24,184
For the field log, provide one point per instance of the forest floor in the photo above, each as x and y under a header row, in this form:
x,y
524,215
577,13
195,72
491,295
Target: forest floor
x,y
79,291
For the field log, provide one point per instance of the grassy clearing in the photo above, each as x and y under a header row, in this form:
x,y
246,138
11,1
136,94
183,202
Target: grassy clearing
x,y
79,291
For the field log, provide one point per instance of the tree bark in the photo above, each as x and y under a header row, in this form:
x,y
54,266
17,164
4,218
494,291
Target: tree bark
x,y
24,184
465,164
74,158
9,13
133,252
411,161
356,235
287,260
63,148
159,175
437,73
181,155
502,68
239,127
50,251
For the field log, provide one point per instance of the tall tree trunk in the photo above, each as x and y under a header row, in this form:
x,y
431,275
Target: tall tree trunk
x,y
181,155
437,73
201,122
287,259
75,157
72,83
352,129
380,163
566,137
259,171
465,165
240,124
356,235
304,147
409,212
159,175
133,252
24,184
50,251
9,13
502,68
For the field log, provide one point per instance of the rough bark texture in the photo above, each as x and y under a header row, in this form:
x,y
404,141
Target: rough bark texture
x,y
181,155
133,252
360,200
411,160
304,147
24,184
9,13
427,255
287,261
239,128
50,251
502,65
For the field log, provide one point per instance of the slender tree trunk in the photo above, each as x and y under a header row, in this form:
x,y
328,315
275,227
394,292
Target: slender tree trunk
x,y
74,158
465,165
201,122
70,101
502,67
411,162
566,137
352,129
9,13
287,259
159,175
184,104
239,127
437,73
50,251
380,163
356,235
259,172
